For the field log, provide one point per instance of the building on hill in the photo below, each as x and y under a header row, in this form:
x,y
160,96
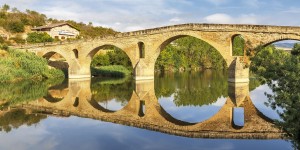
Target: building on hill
x,y
60,31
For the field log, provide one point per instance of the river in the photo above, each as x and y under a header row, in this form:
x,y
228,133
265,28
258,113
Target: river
x,y
191,110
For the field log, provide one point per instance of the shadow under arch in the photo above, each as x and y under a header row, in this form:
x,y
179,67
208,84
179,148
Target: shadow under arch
x,y
169,40
171,119
59,62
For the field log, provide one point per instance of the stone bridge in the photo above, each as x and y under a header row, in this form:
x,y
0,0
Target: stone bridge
x,y
143,47
144,111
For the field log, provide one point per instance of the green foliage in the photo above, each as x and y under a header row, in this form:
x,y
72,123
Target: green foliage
x,y
238,45
267,61
100,60
114,63
189,53
192,88
21,66
296,49
36,37
15,26
281,72
110,71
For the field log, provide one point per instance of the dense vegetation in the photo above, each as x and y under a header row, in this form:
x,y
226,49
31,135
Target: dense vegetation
x,y
113,63
19,66
281,72
189,53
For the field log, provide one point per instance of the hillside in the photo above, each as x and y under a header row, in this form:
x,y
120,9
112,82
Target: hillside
x,y
14,25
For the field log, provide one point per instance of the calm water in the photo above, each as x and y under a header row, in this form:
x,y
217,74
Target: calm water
x,y
176,111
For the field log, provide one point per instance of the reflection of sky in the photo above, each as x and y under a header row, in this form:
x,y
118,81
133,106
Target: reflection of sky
x,y
81,133
112,104
191,113
259,99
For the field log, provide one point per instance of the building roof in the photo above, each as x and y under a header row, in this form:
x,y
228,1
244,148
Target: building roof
x,y
53,25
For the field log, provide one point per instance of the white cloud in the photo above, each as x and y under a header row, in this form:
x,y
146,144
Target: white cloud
x,y
222,18
219,18
176,19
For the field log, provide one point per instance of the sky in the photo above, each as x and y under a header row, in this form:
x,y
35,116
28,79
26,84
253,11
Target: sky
x,y
131,15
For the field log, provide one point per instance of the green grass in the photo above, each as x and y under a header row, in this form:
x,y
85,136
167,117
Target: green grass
x,y
18,66
110,71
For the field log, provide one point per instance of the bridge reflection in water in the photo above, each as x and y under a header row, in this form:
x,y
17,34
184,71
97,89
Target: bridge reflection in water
x,y
144,111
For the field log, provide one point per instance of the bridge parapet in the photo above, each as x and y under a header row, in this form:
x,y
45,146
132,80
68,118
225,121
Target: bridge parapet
x,y
218,27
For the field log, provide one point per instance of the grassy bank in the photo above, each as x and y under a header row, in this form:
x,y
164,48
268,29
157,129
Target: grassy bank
x,y
18,66
110,71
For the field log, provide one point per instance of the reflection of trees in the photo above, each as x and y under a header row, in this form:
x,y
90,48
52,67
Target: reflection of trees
x,y
18,117
108,89
273,65
23,91
254,83
192,88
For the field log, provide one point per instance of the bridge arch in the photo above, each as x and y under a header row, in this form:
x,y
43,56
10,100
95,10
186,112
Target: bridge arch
x,y
120,57
162,45
58,64
168,39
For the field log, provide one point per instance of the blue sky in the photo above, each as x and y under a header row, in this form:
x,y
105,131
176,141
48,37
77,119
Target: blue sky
x,y
129,15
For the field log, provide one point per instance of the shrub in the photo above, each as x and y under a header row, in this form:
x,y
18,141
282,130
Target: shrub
x,y
36,37
15,26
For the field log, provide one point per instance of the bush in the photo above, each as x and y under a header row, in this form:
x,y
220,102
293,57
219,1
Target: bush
x,y
36,37
4,46
18,39
15,26
1,39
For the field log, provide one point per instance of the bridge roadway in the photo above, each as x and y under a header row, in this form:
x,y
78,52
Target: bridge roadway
x,y
144,46
76,99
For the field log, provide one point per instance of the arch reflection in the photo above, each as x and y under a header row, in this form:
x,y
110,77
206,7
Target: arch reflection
x,y
156,118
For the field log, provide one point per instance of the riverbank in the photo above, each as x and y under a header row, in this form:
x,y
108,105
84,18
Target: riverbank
x,y
116,71
18,66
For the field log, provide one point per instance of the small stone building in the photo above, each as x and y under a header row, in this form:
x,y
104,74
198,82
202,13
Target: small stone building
x,y
60,31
